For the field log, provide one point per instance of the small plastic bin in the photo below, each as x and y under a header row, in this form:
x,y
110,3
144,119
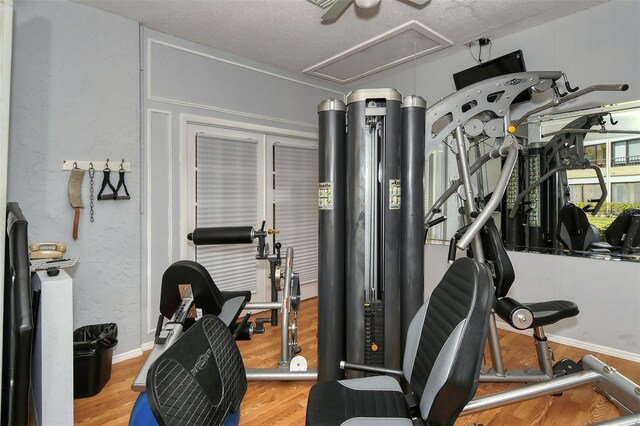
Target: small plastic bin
x,y
92,354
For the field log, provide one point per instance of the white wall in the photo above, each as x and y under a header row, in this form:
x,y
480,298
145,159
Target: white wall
x,y
187,82
75,96
606,292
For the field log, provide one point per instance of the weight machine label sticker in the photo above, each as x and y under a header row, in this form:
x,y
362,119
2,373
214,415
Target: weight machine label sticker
x,y
395,193
325,195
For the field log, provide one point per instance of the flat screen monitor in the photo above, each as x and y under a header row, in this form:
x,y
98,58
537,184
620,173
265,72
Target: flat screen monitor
x,y
507,64
17,332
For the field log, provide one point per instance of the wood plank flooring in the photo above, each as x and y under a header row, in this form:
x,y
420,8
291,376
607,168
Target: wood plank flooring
x,y
284,403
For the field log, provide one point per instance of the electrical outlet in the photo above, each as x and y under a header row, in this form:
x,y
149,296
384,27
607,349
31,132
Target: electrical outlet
x,y
483,41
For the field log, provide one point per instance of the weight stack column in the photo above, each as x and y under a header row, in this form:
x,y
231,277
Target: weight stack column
x,y
331,243
513,229
536,223
412,234
373,228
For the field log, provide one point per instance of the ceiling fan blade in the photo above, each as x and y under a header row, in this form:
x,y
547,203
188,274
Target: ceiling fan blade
x,y
418,2
335,10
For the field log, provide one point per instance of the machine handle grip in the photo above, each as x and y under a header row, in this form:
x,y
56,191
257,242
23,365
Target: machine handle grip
x,y
222,235
451,257
159,326
436,221
239,327
569,88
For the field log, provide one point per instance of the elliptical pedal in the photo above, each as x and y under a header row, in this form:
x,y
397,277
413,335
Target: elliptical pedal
x,y
566,366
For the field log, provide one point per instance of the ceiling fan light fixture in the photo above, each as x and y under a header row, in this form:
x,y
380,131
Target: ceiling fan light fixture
x,y
367,4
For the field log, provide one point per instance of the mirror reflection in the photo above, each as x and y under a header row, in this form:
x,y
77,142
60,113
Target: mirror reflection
x,y
575,189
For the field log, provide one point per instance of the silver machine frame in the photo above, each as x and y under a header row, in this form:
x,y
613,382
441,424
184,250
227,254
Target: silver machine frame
x,y
288,363
290,366
484,117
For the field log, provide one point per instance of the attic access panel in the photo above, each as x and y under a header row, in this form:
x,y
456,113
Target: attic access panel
x,y
395,47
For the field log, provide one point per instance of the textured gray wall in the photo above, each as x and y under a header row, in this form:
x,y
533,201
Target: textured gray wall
x,y
75,96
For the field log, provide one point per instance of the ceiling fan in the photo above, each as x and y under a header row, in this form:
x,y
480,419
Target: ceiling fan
x,y
338,6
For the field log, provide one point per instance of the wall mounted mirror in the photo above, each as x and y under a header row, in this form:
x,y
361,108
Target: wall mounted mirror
x,y
575,190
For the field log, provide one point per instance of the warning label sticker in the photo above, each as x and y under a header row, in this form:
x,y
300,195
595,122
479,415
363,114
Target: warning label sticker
x,y
395,193
325,195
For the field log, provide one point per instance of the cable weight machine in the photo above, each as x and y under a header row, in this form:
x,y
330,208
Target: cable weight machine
x,y
492,119
369,228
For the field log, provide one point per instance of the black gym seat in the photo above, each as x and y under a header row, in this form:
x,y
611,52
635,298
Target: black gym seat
x,y
226,305
543,313
623,235
575,232
441,365
200,380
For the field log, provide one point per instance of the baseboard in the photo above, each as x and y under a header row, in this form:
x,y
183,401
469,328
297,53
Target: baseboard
x,y
147,346
605,350
126,355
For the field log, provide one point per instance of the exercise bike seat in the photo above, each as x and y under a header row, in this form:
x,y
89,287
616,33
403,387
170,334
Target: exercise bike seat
x,y
200,380
225,305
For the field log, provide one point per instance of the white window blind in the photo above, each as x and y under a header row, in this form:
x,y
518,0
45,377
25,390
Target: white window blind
x,y
296,206
226,195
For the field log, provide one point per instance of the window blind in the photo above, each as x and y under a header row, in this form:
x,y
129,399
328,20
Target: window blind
x,y
296,206
226,195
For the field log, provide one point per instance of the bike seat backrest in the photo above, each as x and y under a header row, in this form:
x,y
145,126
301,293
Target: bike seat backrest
x,y
574,230
205,292
199,380
494,251
618,232
445,342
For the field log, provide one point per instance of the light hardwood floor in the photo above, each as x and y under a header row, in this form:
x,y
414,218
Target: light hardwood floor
x,y
284,403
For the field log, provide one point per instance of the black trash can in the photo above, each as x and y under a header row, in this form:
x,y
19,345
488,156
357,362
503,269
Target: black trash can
x,y
92,353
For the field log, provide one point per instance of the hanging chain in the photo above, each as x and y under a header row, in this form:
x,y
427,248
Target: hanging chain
x,y
92,173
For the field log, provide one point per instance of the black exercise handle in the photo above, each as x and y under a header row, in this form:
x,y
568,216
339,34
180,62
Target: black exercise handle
x,y
452,250
569,88
240,326
222,235
436,221
159,326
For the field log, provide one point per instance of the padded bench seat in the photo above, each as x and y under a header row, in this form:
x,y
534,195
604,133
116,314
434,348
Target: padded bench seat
x,y
544,313
344,402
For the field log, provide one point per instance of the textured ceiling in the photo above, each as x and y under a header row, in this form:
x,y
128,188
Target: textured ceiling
x,y
288,34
